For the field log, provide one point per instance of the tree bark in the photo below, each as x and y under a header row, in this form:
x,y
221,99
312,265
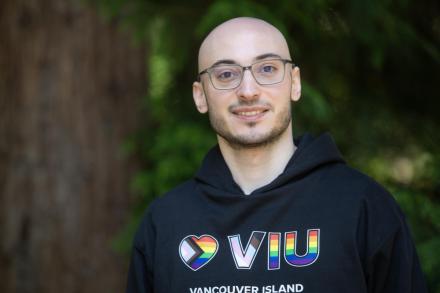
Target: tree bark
x,y
70,91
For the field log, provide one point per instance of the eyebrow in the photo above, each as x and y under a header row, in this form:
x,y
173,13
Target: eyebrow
x,y
267,55
224,61
259,57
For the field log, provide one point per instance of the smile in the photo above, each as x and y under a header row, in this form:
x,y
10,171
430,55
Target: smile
x,y
250,113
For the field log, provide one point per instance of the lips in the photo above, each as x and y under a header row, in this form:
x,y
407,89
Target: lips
x,y
250,113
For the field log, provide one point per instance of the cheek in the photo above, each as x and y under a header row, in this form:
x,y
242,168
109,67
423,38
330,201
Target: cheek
x,y
218,103
280,97
213,106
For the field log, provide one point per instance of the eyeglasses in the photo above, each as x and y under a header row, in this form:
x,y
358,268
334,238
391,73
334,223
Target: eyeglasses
x,y
229,76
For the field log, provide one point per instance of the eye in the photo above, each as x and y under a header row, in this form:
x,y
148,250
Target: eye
x,y
268,69
226,74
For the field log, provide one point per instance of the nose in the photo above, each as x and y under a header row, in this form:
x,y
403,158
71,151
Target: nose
x,y
249,89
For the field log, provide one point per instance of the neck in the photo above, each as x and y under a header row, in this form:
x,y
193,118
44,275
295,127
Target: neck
x,y
255,167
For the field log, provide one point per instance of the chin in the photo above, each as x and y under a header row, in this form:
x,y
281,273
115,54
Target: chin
x,y
241,141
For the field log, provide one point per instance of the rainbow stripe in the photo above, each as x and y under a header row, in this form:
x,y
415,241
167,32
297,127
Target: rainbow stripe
x,y
274,251
311,254
197,251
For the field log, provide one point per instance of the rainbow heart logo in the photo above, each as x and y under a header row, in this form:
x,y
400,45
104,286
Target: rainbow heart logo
x,y
196,252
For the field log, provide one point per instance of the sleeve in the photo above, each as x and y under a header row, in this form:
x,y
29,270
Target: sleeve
x,y
392,264
140,274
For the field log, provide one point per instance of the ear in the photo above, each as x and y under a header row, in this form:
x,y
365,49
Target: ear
x,y
296,84
199,97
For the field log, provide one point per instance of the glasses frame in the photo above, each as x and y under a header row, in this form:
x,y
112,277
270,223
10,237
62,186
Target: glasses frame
x,y
244,68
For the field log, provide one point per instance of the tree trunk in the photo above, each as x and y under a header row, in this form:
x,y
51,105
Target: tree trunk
x,y
70,91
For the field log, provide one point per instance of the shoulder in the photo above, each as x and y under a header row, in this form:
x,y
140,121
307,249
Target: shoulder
x,y
171,202
175,196
375,206
371,206
352,188
355,183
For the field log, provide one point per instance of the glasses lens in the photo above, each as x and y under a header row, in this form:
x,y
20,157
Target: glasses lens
x,y
268,71
226,76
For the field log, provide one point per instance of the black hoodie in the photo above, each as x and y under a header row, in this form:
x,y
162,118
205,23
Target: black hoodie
x,y
320,226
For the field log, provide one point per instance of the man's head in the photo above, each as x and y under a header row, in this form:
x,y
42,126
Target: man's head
x,y
250,114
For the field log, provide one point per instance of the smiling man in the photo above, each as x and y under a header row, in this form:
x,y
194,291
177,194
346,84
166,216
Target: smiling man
x,y
266,213
250,110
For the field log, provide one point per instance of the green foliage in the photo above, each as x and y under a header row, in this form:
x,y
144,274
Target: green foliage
x,y
369,74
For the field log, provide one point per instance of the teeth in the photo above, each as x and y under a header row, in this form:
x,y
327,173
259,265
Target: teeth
x,y
251,113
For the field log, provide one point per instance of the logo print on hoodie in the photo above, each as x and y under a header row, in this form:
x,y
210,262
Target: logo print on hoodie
x,y
196,252
309,257
245,258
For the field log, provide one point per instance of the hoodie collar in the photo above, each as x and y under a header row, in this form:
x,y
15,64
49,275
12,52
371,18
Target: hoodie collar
x,y
311,153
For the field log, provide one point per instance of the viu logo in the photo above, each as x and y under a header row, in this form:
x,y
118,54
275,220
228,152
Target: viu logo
x,y
198,251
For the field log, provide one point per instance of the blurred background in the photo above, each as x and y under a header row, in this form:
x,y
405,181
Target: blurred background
x,y
96,118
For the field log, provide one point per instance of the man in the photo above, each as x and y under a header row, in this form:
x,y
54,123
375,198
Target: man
x,y
265,213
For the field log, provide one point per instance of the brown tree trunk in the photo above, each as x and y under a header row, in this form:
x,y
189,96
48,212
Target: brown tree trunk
x,y
70,89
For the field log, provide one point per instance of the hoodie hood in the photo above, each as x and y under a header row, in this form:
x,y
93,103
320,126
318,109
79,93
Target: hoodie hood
x,y
311,154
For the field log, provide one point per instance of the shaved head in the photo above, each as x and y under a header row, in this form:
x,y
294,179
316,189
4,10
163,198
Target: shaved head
x,y
238,37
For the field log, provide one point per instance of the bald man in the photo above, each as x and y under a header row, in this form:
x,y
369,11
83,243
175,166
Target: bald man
x,y
266,213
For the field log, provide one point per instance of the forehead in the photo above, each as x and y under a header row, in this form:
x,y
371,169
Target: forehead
x,y
243,43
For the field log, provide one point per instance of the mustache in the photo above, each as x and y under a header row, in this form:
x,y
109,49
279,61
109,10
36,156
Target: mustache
x,y
249,104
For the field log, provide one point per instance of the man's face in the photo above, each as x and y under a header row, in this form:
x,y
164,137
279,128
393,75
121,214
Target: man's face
x,y
251,114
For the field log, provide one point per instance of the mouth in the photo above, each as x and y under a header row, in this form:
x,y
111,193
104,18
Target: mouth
x,y
250,113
